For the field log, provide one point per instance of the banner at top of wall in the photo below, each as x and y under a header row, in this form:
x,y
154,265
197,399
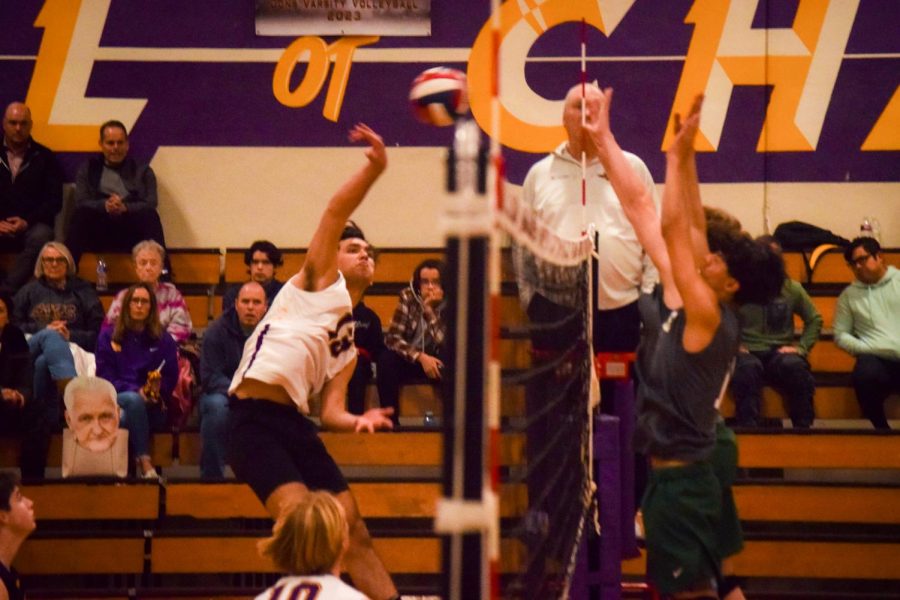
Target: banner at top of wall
x,y
343,17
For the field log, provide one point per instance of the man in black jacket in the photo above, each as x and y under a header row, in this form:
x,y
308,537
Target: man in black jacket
x,y
30,194
115,199
223,344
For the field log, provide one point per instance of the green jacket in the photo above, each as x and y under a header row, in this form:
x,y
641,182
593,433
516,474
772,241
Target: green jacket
x,y
867,317
772,326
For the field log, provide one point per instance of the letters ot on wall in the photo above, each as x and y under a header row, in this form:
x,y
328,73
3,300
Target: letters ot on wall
x,y
802,118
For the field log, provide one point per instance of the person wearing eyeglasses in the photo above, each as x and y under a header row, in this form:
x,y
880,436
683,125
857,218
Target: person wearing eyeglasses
x,y
866,326
55,309
140,359
414,342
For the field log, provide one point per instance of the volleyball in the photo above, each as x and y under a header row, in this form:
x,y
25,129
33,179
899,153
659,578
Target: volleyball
x,y
438,96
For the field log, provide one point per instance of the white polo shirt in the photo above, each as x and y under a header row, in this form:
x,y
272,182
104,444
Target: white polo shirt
x,y
553,188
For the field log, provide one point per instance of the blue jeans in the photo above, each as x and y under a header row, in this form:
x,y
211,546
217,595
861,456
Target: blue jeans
x,y
138,417
52,362
213,422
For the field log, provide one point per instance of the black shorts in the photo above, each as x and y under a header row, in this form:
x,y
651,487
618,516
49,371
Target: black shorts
x,y
270,444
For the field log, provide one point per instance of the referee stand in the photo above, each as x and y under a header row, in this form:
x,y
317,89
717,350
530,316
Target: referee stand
x,y
598,571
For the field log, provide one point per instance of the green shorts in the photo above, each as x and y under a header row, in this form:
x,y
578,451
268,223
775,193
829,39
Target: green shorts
x,y
682,508
724,462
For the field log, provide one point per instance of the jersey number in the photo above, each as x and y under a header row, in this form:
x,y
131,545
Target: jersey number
x,y
341,339
300,591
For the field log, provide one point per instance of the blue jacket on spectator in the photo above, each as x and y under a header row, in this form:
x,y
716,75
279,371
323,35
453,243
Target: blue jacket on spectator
x,y
223,344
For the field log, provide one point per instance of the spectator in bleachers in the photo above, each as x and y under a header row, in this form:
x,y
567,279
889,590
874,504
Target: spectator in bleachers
x,y
223,345
30,194
415,339
140,359
309,542
115,199
262,259
60,314
368,335
16,524
149,258
769,356
20,414
866,326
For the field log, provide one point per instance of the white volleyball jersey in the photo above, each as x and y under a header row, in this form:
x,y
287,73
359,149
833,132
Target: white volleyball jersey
x,y
304,340
311,587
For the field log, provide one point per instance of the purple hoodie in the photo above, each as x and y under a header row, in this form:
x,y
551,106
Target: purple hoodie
x,y
127,368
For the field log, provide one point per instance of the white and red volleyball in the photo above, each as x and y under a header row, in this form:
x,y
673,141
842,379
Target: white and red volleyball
x,y
438,96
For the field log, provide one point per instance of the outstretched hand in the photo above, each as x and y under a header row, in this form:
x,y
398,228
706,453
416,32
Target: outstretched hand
x,y
686,131
374,418
375,153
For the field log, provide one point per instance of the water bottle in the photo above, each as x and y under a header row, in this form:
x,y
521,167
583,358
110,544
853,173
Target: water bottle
x,y
429,420
865,228
876,229
102,284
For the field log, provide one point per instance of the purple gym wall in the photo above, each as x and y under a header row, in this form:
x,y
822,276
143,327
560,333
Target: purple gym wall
x,y
195,74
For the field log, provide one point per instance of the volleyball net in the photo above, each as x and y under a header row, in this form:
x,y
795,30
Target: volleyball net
x,y
552,277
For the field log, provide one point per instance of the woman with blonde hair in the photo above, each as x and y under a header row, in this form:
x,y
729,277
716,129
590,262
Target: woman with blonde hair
x,y
308,543
54,310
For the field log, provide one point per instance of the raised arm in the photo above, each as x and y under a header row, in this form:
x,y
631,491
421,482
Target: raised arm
x,y
320,268
699,241
680,201
636,199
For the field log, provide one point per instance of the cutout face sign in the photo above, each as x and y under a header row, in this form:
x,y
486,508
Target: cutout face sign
x,y
94,420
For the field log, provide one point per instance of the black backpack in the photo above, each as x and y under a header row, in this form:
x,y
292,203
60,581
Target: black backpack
x,y
797,235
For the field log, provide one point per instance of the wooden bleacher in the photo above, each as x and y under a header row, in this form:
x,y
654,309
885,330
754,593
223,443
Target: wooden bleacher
x,y
830,267
393,270
393,265
185,537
